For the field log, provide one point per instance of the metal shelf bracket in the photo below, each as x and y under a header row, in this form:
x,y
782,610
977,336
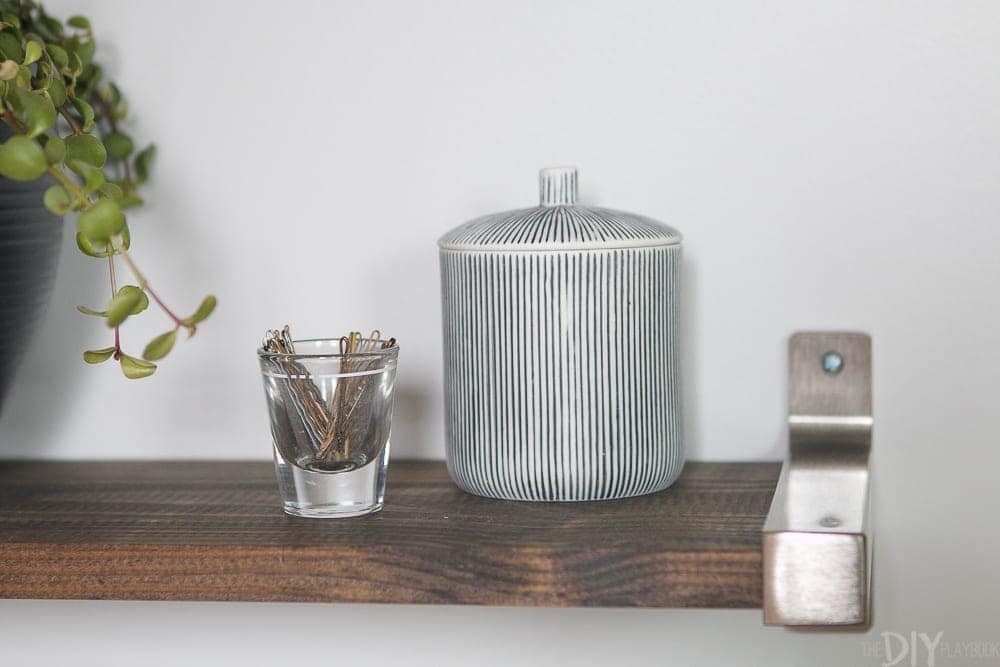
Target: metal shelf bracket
x,y
817,536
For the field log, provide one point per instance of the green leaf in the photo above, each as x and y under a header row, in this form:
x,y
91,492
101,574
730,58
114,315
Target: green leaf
x,y
23,79
58,55
21,159
86,114
43,75
143,301
93,178
86,148
102,221
160,346
112,191
75,64
36,111
85,51
121,306
50,28
130,201
32,52
119,145
91,311
136,369
142,162
57,90
80,22
111,94
126,237
58,200
11,19
10,46
8,70
85,246
78,167
204,310
55,150
90,78
98,356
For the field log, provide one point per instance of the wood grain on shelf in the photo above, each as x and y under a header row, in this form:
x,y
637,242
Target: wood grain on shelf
x,y
215,531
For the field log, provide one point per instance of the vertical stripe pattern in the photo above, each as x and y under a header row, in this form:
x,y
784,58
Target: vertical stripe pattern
x,y
557,186
558,227
562,371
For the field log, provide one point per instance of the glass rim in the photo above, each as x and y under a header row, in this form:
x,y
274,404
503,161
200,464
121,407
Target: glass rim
x,y
371,354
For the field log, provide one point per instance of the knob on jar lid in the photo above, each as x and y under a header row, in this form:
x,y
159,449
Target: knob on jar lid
x,y
559,223
557,186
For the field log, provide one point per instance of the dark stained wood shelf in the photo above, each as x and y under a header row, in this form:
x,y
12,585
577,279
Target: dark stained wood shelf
x,y
215,531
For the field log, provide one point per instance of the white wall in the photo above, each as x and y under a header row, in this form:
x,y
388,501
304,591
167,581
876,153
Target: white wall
x,y
832,165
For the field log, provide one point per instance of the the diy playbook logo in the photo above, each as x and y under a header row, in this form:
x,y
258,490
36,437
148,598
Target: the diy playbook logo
x,y
919,647
927,649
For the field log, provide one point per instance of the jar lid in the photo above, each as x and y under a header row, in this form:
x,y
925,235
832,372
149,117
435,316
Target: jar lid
x,y
559,223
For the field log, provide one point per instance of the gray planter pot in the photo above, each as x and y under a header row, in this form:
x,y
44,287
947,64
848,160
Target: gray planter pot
x,y
30,238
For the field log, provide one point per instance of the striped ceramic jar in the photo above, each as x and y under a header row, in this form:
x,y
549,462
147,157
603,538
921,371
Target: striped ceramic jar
x,y
560,351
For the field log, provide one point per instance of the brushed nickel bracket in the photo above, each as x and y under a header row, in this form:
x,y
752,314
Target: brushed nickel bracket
x,y
817,536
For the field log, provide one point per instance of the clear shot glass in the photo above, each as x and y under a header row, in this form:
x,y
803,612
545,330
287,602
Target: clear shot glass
x,y
330,420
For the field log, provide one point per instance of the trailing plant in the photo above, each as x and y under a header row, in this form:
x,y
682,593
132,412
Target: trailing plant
x,y
66,123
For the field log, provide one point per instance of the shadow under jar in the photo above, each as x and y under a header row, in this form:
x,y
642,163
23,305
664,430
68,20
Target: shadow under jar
x,y
330,420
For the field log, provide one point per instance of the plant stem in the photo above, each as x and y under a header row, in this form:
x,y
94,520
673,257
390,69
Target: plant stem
x,y
69,185
144,284
114,290
69,119
12,120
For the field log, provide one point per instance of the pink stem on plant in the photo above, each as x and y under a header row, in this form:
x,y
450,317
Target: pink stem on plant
x,y
144,284
178,321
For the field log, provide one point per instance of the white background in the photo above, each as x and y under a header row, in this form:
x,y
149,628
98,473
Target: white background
x,y
831,164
